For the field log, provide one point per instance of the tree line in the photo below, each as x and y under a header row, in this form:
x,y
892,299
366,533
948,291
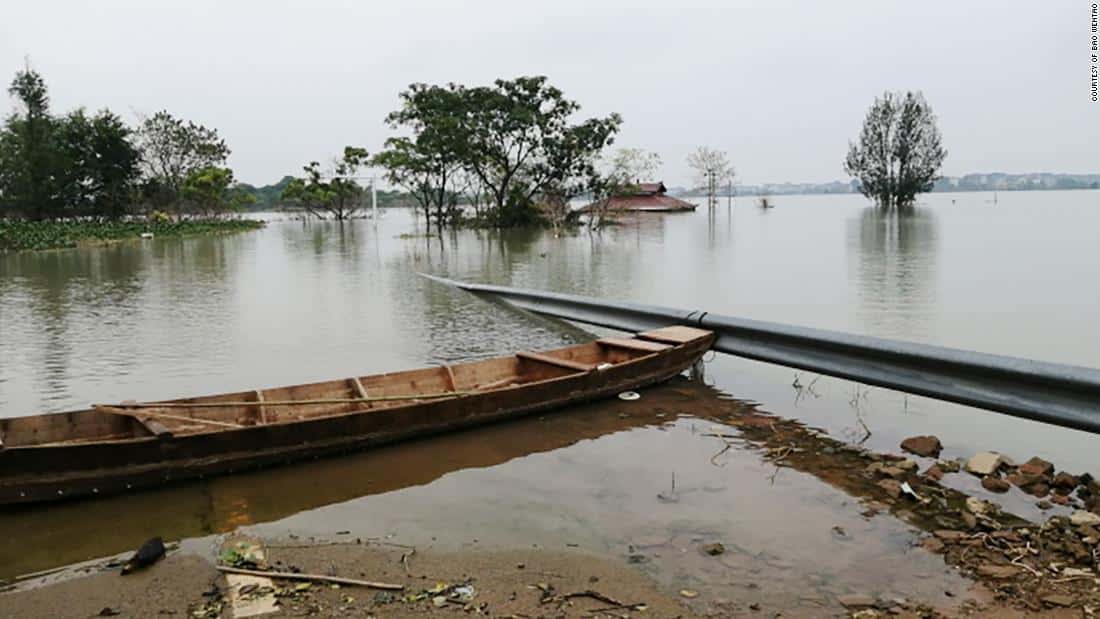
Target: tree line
x,y
80,164
512,153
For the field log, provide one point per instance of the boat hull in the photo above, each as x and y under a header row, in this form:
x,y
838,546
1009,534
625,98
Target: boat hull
x,y
62,472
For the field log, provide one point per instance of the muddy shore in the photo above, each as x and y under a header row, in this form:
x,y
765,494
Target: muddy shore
x,y
528,583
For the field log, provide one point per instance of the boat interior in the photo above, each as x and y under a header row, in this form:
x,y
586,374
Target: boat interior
x,y
133,420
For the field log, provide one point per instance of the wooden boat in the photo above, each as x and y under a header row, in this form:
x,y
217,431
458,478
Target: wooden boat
x,y
115,448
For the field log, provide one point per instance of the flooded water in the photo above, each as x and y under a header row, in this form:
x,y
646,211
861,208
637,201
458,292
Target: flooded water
x,y
298,302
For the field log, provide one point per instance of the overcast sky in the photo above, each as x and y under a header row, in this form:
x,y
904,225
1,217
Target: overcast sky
x,y
781,86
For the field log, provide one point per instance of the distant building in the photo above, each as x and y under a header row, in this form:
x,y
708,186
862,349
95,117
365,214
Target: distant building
x,y
647,197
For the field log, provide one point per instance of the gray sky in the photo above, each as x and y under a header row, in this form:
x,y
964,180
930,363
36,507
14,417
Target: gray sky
x,y
782,86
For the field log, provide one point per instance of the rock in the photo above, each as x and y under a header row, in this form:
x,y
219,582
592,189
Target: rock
x,y
689,593
1037,466
894,472
1082,518
926,446
995,484
908,465
948,466
1057,599
1044,505
949,535
1023,480
985,463
1059,499
439,601
977,506
990,570
1065,481
855,600
932,544
891,486
969,519
1008,536
1039,490
934,473
714,549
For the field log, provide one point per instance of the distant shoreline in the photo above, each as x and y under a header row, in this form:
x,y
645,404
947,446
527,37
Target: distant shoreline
x,y
737,192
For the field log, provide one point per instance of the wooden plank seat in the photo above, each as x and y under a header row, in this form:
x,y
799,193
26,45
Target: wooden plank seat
x,y
153,427
634,344
557,361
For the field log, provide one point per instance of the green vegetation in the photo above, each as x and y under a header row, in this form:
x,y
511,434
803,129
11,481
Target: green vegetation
x,y
266,197
511,148
177,156
82,165
340,196
22,234
82,177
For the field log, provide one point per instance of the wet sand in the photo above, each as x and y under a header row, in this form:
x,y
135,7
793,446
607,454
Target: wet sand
x,y
507,584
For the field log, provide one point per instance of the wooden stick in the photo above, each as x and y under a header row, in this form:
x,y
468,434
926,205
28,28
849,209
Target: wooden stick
x,y
312,577
497,383
451,377
377,398
262,408
359,388
118,410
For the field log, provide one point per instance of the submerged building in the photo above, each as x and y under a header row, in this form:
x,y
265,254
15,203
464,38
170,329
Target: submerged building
x,y
646,197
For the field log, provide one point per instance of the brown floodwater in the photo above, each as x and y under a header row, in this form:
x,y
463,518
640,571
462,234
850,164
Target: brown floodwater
x,y
298,302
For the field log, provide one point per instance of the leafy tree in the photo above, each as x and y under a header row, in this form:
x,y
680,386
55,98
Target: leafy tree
x,y
508,143
171,150
519,141
340,196
427,180
30,164
899,152
712,170
429,165
211,191
101,165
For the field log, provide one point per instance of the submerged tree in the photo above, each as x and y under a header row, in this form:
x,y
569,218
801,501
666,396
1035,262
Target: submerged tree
x,y
212,191
513,143
899,152
712,171
340,196
172,149
521,142
429,164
